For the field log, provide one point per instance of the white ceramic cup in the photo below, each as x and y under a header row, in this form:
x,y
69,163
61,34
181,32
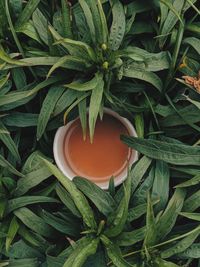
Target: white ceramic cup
x,y
68,172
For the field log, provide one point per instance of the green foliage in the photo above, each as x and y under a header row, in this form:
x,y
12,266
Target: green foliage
x,y
62,58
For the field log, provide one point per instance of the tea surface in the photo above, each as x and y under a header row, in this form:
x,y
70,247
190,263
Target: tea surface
x,y
105,157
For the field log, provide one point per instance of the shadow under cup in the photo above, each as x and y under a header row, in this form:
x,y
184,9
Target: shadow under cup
x,y
65,141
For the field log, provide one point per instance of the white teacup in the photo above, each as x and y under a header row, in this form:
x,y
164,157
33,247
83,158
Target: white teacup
x,y
68,172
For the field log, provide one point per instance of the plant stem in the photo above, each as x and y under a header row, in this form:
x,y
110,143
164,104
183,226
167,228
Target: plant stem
x,y
163,243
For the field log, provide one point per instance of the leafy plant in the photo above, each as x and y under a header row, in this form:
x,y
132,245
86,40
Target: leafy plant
x,y
57,58
98,57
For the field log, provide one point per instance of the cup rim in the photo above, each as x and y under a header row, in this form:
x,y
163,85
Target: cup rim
x,y
66,170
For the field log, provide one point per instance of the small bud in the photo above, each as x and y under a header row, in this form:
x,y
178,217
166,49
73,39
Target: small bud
x,y
104,47
105,65
183,64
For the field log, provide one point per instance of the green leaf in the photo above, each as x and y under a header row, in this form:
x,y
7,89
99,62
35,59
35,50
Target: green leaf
x,y
138,171
67,200
146,76
131,238
164,11
3,81
160,188
79,45
138,7
20,202
80,98
20,119
114,253
192,216
97,260
82,251
192,203
192,252
16,7
182,245
78,198
151,230
34,222
193,181
5,164
34,239
66,19
82,109
69,62
194,42
65,101
190,3
32,179
111,187
168,219
6,58
3,205
3,20
70,227
17,96
190,113
89,19
172,8
29,30
33,61
104,26
55,261
75,48
171,20
140,195
139,125
12,231
177,154
136,212
20,250
27,12
194,102
118,26
95,104
19,78
162,263
8,141
87,85
96,20
46,111
121,213
40,23
20,263
142,60
102,199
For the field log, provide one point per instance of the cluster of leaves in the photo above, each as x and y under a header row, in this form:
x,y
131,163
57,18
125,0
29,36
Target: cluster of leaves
x,y
57,59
